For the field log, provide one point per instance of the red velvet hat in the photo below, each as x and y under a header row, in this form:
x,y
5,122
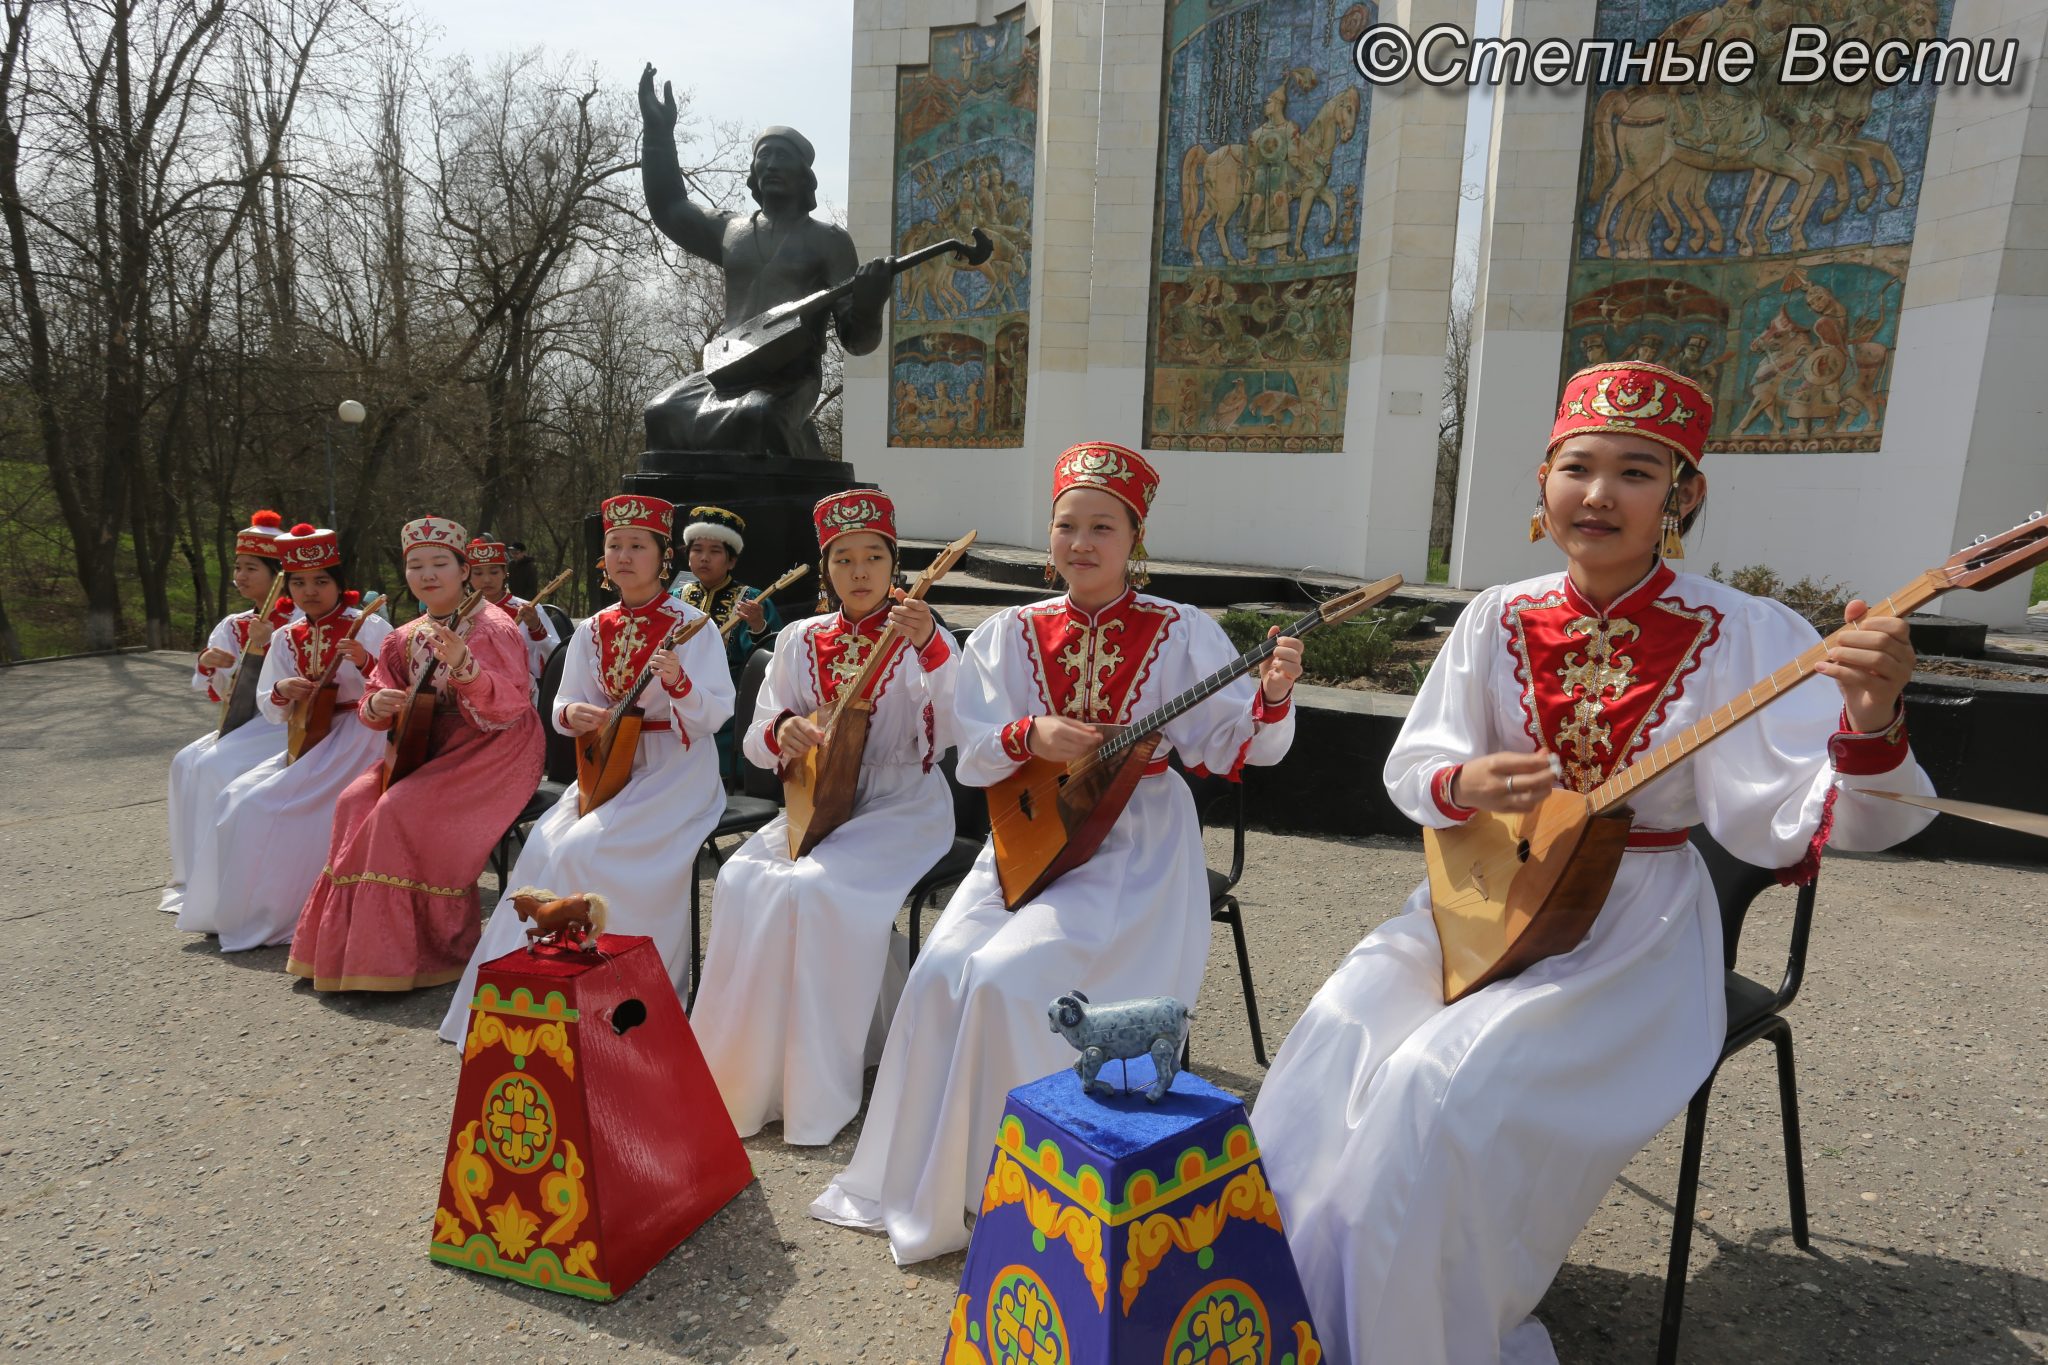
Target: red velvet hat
x,y
638,509
260,538
483,551
857,509
1120,472
303,548
1633,398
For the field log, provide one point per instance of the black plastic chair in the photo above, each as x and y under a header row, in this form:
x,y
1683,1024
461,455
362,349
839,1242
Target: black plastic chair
x,y
1755,1011
559,619
970,832
1219,798
746,810
557,775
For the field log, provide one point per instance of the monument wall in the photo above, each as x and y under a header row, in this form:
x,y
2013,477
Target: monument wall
x,y
1856,272
1283,373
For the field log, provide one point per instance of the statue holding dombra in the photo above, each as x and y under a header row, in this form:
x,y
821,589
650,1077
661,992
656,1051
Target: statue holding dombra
x,y
774,255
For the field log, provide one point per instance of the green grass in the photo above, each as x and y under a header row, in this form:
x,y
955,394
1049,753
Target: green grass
x,y
1356,648
45,604
2040,586
1439,566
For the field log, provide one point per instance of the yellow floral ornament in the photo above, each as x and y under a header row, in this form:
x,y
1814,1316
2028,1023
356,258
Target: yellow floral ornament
x,y
512,1227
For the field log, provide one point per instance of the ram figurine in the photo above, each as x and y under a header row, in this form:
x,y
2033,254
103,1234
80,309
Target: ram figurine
x,y
1156,1027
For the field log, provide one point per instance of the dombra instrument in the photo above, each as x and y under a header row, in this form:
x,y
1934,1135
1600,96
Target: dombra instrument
x,y
604,757
549,591
818,789
767,343
1508,891
238,707
732,615
1049,817
412,733
312,716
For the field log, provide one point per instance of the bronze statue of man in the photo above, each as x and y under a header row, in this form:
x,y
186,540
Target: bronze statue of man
x,y
774,255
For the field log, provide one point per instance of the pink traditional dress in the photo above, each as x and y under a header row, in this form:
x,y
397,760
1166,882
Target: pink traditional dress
x,y
1132,921
396,907
1433,1163
202,770
800,963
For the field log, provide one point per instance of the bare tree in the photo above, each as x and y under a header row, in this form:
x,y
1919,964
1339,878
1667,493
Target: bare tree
x,y
1450,428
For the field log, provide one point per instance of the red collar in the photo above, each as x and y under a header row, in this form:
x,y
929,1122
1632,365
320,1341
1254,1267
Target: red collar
x,y
1114,607
1647,590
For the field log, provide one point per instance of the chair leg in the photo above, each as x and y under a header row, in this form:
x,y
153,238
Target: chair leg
x,y
916,916
1681,1224
696,920
1235,916
1788,1106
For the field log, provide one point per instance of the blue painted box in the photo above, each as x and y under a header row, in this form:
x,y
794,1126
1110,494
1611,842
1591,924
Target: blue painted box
x,y
1113,1229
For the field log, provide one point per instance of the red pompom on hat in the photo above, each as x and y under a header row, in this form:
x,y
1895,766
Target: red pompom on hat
x,y
304,548
1634,398
259,538
351,598
263,516
302,529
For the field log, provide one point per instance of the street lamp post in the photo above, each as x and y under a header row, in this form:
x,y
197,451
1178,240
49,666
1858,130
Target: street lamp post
x,y
352,413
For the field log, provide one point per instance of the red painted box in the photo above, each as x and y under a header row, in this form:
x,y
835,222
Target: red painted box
x,y
589,1139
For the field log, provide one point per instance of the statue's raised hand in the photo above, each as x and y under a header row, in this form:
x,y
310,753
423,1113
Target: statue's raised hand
x,y
658,114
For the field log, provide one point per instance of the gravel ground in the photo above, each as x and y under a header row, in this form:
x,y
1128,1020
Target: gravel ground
x,y
199,1159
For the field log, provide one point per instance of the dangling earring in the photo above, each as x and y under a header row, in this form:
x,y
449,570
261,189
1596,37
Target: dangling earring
x,y
1051,575
1139,575
1673,546
1536,531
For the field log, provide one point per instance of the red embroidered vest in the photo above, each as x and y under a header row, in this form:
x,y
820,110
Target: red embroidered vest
x,y
627,638
840,650
1094,668
313,641
1595,685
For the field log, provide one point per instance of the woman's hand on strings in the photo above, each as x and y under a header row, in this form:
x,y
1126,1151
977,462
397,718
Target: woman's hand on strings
x,y
581,717
1871,660
296,689
668,668
353,650
383,703
1504,783
1277,678
1063,740
797,736
447,646
912,619
215,658
259,635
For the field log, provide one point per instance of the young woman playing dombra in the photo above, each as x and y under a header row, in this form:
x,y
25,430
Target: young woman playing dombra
x,y
267,831
1433,1163
1132,921
638,849
800,949
396,906
488,568
203,768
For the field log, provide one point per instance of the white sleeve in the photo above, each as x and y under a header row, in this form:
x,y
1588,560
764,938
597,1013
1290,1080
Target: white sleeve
x,y
940,684
706,702
579,676
1770,789
221,638
780,691
537,651
1451,720
1228,730
992,694
280,661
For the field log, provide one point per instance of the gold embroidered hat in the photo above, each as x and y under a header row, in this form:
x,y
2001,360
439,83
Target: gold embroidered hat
x,y
261,535
484,551
857,509
638,509
433,530
303,548
1634,398
1116,470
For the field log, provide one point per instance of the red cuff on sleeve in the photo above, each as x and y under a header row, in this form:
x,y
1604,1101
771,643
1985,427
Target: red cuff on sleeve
x,y
1267,712
1440,792
1016,740
678,692
935,650
276,698
536,633
774,744
1858,754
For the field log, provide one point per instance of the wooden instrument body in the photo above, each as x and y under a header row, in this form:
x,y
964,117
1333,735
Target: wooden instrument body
x,y
819,788
412,734
241,703
310,720
604,759
1048,818
1508,891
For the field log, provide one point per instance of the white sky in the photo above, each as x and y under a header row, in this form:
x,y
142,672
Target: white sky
x,y
804,81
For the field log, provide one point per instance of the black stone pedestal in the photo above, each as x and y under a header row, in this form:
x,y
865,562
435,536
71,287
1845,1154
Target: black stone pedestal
x,y
774,494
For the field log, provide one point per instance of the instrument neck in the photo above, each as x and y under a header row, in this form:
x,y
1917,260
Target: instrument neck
x,y
1619,788
1129,738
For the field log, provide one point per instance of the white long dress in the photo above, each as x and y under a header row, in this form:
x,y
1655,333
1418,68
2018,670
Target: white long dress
x,y
639,849
800,950
1132,921
202,769
1433,1164
271,825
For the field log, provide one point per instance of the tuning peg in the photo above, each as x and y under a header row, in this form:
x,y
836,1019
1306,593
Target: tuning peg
x,y
1980,540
